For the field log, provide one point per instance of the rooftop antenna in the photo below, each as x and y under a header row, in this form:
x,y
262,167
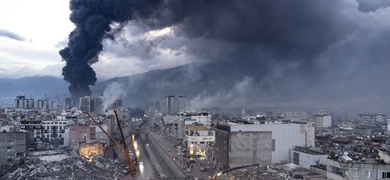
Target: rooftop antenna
x,y
124,150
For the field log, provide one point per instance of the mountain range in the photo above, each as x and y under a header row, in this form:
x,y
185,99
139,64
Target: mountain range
x,y
211,85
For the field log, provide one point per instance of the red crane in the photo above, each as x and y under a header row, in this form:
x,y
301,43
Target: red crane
x,y
124,150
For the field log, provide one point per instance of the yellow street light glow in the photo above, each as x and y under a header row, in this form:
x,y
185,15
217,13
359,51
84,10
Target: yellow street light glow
x,y
135,145
137,153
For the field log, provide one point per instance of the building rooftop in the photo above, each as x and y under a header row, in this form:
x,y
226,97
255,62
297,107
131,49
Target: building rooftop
x,y
309,150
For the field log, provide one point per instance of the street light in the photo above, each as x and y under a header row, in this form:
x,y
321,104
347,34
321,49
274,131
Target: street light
x,y
135,145
137,153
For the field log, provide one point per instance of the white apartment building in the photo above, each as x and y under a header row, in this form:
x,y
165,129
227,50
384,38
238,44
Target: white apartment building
x,y
372,117
53,131
200,137
245,144
323,121
191,118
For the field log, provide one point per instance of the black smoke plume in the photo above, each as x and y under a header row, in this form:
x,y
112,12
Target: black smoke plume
x,y
93,20
273,48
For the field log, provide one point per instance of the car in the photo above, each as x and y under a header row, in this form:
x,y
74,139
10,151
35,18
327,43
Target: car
x,y
168,150
201,168
178,153
188,170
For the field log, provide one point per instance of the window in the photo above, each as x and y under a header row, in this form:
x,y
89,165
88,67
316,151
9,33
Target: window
x,y
296,158
355,173
383,175
368,174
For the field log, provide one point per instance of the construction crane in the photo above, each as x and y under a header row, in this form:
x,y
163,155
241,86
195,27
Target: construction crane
x,y
124,150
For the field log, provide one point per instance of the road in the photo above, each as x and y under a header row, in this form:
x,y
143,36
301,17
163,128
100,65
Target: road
x,y
180,160
150,163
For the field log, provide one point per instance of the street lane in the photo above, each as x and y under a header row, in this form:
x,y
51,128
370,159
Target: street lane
x,y
180,160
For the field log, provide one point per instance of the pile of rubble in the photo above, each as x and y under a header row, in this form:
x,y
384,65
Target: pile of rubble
x,y
67,168
261,172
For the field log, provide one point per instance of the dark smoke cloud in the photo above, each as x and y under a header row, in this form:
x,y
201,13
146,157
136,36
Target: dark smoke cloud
x,y
11,35
291,49
93,20
285,49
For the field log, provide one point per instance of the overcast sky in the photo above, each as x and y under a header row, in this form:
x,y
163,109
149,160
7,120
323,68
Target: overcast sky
x,y
290,34
29,35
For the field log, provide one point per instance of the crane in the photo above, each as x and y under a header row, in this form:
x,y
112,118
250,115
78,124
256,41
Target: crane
x,y
124,150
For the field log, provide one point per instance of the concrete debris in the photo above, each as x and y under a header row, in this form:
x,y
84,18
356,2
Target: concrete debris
x,y
261,172
100,168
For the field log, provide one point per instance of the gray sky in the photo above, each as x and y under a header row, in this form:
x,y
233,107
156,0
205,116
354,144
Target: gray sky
x,y
322,40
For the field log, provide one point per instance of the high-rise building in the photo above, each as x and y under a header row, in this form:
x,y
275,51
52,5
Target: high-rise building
x,y
85,104
69,103
117,104
97,105
43,104
23,102
182,103
170,105
152,107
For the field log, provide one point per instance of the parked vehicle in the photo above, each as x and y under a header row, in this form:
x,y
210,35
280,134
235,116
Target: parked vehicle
x,y
201,168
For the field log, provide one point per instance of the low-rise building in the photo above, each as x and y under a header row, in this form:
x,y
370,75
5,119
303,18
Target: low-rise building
x,y
308,156
355,167
13,145
323,120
